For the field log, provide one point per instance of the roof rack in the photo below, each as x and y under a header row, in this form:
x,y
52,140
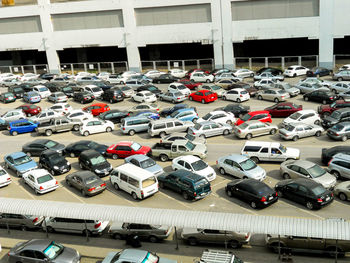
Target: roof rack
x,y
217,256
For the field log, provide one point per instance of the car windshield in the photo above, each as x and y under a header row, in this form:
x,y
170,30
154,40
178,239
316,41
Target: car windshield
x,y
22,160
287,86
282,148
181,87
45,178
207,116
247,165
199,165
189,137
91,179
338,127
151,88
243,126
295,116
316,171
43,89
55,159
289,128
97,160
2,172
190,146
173,115
135,146
147,163
93,145
96,89
214,87
318,190
197,126
125,88
336,115
53,250
245,117
50,144
6,95
67,89
17,89
32,107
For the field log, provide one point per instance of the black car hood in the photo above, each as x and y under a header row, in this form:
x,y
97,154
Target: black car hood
x,y
101,166
102,149
330,119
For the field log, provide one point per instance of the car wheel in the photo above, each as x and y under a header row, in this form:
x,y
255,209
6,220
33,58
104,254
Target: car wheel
x,y
173,101
83,193
23,228
276,100
342,197
340,79
306,98
117,236
229,193
260,97
234,244
76,127
223,97
344,138
248,136
254,159
108,129
131,132
229,122
324,102
273,131
185,195
222,171
190,98
295,138
238,100
162,134
111,101
334,91
253,205
50,229
163,157
72,155
195,120
202,136
134,196
14,133
294,75
68,183
158,82
309,205
286,176
203,101
318,134
116,186
226,132
192,241
153,239
317,122
86,133
48,132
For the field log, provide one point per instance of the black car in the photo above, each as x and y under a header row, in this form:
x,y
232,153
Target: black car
x,y
17,90
273,71
327,154
102,85
324,96
112,95
53,87
83,97
167,111
7,97
257,194
165,78
36,147
305,191
3,125
114,116
86,182
47,76
26,86
54,162
68,91
74,149
94,162
236,109
318,72
153,89
336,117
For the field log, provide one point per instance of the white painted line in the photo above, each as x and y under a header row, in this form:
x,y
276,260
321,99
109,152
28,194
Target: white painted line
x,y
25,190
191,208
113,191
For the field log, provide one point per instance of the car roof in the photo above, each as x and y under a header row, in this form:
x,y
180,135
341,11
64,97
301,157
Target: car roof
x,y
202,123
89,153
258,112
125,143
303,163
129,168
38,172
298,124
135,118
185,109
306,111
305,182
186,174
218,112
37,244
138,157
188,158
343,110
85,174
235,157
97,104
261,143
39,141
16,154
134,255
50,152
253,122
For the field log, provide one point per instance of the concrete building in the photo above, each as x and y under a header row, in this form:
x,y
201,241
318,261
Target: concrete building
x,y
33,30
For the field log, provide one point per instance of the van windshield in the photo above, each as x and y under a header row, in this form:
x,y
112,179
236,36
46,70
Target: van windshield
x,y
149,181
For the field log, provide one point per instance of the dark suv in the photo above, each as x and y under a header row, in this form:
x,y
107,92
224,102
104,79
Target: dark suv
x,y
336,117
94,162
83,97
326,110
112,95
190,185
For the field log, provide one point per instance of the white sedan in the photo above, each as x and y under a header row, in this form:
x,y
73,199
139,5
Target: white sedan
x,y
219,117
237,95
43,91
179,73
295,70
28,77
79,115
201,77
40,180
243,73
153,73
144,96
95,126
62,108
178,87
195,165
5,179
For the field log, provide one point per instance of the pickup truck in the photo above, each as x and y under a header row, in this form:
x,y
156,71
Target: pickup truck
x,y
60,124
171,150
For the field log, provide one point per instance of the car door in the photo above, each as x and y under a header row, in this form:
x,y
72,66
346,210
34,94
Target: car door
x,y
211,236
27,256
171,182
301,195
289,191
227,164
308,131
36,149
31,181
237,170
178,126
77,182
299,131
276,155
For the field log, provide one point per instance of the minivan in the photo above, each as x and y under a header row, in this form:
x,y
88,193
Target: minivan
x,y
93,161
134,180
131,125
166,126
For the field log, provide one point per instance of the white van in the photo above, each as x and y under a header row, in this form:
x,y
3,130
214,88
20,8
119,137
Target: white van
x,y
134,180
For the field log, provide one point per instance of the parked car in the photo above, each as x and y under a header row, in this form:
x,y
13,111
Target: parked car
x,y
201,77
7,97
42,90
240,166
112,95
45,116
209,128
341,75
95,162
62,108
151,88
303,116
145,107
326,97
306,169
328,153
184,114
68,91
54,162
59,124
86,182
182,136
167,111
295,131
340,131
305,191
126,91
176,72
283,109
318,72
17,91
36,147
257,194
195,165
237,110
3,125
295,70
169,125
92,126
251,129
40,180
114,116
190,84
57,97
97,108
21,126
203,96
153,233
339,166
226,76
292,91
194,236
135,83
13,115
218,117
145,162
337,116
83,97
269,76
5,180
243,73
30,109
226,83
262,116
31,97
132,125
340,87
165,78
76,148
342,190
173,97
153,73
188,184
273,71
306,87
135,255
125,149
37,250
19,162
238,95
275,95
23,222
93,90
179,87
144,96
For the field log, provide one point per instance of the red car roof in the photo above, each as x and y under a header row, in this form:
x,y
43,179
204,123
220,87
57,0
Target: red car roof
x,y
258,112
125,143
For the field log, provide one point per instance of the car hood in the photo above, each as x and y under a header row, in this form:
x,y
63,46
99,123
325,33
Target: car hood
x,y
343,186
62,163
68,255
101,166
293,152
109,257
27,166
101,149
257,172
330,119
327,180
58,148
205,172
144,150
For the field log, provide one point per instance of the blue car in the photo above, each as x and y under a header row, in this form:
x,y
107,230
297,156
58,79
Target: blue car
x,y
20,163
31,97
149,114
186,114
145,162
22,126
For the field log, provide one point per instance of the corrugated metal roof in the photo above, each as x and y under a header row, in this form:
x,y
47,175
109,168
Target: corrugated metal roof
x,y
333,229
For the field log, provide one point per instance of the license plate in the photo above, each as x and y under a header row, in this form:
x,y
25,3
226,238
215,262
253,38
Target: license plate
x,y
270,198
328,198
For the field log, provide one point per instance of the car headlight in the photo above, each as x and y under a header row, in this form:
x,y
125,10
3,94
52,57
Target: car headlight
x,y
97,171
68,163
55,167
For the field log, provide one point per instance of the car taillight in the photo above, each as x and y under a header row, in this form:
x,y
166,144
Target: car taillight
x,y
85,98
319,200
35,220
91,189
8,179
97,225
276,194
193,133
194,194
41,188
56,182
157,110
241,95
141,193
128,114
247,236
216,162
239,131
263,199
123,129
161,141
332,194
103,185
330,98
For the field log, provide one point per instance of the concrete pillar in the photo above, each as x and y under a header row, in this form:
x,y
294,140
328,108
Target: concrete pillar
x,y
222,33
130,39
326,34
48,41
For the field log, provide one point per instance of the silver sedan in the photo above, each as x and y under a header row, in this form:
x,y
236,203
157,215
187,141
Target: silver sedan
x,y
268,75
173,97
209,128
340,87
295,131
251,129
275,95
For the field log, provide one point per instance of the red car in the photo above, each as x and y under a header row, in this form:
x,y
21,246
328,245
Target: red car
x,y
204,96
97,108
30,109
190,84
126,148
326,110
283,109
260,115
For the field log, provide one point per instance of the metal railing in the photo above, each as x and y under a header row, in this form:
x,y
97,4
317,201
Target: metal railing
x,y
187,64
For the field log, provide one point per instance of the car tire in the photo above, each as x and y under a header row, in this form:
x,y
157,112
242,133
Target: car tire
x,y
76,127
342,196
185,195
83,193
86,133
208,81
163,157
114,156
153,239
340,79
226,132
190,98
344,138
116,186
276,100
306,98
253,205
117,236
273,131
72,155
108,129
192,241
68,183
134,196
318,134
161,185
317,122
286,176
254,159
202,136
29,115
223,97
50,229
173,101
324,102
162,134
229,122
14,133
295,138
260,97
222,171
131,132
248,136
229,193
336,174
48,132
203,101
238,100
294,75
234,244
309,205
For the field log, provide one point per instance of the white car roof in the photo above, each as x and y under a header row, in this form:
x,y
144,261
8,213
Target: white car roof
x,y
37,173
176,84
306,111
262,144
187,158
218,112
134,170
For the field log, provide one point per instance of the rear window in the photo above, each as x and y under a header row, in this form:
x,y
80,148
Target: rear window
x,y
201,183
149,181
252,148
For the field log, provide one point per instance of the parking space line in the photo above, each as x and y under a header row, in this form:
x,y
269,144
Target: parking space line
x,y
115,193
191,208
25,190
77,197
